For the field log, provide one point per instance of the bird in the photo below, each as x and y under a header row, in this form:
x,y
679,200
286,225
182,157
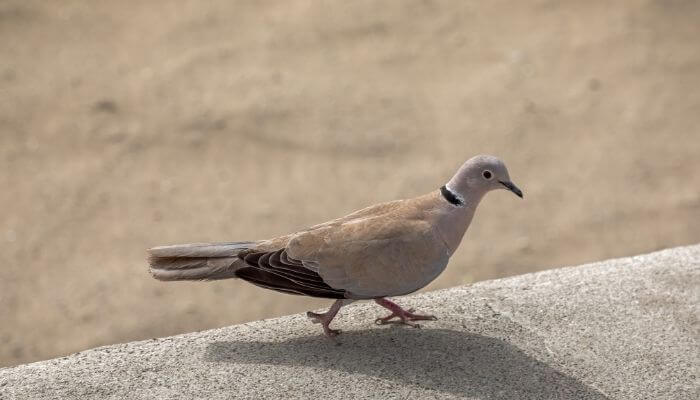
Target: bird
x,y
385,250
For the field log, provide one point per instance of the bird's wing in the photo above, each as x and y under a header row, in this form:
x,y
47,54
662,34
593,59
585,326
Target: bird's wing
x,y
388,251
270,266
277,271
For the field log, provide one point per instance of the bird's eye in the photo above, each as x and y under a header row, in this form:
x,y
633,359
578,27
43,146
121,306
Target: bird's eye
x,y
487,174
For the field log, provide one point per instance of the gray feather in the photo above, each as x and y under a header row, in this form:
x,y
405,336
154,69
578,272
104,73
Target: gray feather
x,y
196,261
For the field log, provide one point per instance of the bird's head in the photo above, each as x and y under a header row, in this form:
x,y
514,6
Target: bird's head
x,y
482,174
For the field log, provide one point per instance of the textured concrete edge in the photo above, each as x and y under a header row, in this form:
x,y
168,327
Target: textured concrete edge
x,y
610,265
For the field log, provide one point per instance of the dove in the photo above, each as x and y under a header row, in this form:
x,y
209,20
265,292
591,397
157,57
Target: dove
x,y
385,250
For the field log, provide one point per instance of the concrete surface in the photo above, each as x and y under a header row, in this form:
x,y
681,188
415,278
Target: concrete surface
x,y
620,329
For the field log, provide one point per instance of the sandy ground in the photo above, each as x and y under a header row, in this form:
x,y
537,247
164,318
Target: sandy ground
x,y
125,125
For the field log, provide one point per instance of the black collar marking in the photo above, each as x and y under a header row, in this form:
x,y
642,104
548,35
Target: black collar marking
x,y
451,197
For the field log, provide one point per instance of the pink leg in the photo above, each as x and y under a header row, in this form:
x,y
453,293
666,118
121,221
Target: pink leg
x,y
326,318
405,316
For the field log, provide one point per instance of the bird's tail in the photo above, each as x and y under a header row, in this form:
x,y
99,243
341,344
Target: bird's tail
x,y
196,261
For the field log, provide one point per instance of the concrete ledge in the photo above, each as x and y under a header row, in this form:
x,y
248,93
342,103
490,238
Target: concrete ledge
x,y
622,329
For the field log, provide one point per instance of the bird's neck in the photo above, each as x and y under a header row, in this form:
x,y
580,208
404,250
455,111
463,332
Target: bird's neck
x,y
452,220
459,184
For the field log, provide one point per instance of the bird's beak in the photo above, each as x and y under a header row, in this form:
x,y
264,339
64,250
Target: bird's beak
x,y
510,186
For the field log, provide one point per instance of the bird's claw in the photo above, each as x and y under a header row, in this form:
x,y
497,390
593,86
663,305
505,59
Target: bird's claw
x,y
314,317
384,321
406,317
332,332
325,321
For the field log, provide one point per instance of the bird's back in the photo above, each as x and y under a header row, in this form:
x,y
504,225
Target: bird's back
x,y
384,250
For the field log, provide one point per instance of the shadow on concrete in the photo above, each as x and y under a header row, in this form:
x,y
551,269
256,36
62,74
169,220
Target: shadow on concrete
x,y
448,361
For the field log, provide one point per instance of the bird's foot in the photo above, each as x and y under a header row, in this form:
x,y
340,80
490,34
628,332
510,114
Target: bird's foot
x,y
405,317
325,320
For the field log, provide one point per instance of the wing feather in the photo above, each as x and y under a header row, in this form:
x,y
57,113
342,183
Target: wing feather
x,y
275,270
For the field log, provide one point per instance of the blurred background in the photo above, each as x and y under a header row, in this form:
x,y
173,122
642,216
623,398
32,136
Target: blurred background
x,y
130,124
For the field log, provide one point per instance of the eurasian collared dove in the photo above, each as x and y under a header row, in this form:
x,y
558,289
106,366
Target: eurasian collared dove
x,y
388,249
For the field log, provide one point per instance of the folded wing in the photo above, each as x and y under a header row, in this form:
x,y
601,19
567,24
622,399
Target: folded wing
x,y
275,270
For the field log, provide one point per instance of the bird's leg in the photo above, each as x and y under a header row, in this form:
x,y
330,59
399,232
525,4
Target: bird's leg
x,y
405,316
326,318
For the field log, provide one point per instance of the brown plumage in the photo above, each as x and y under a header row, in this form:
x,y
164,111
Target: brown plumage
x,y
388,249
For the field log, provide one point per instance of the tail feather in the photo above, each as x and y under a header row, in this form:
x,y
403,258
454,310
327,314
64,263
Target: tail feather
x,y
196,261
